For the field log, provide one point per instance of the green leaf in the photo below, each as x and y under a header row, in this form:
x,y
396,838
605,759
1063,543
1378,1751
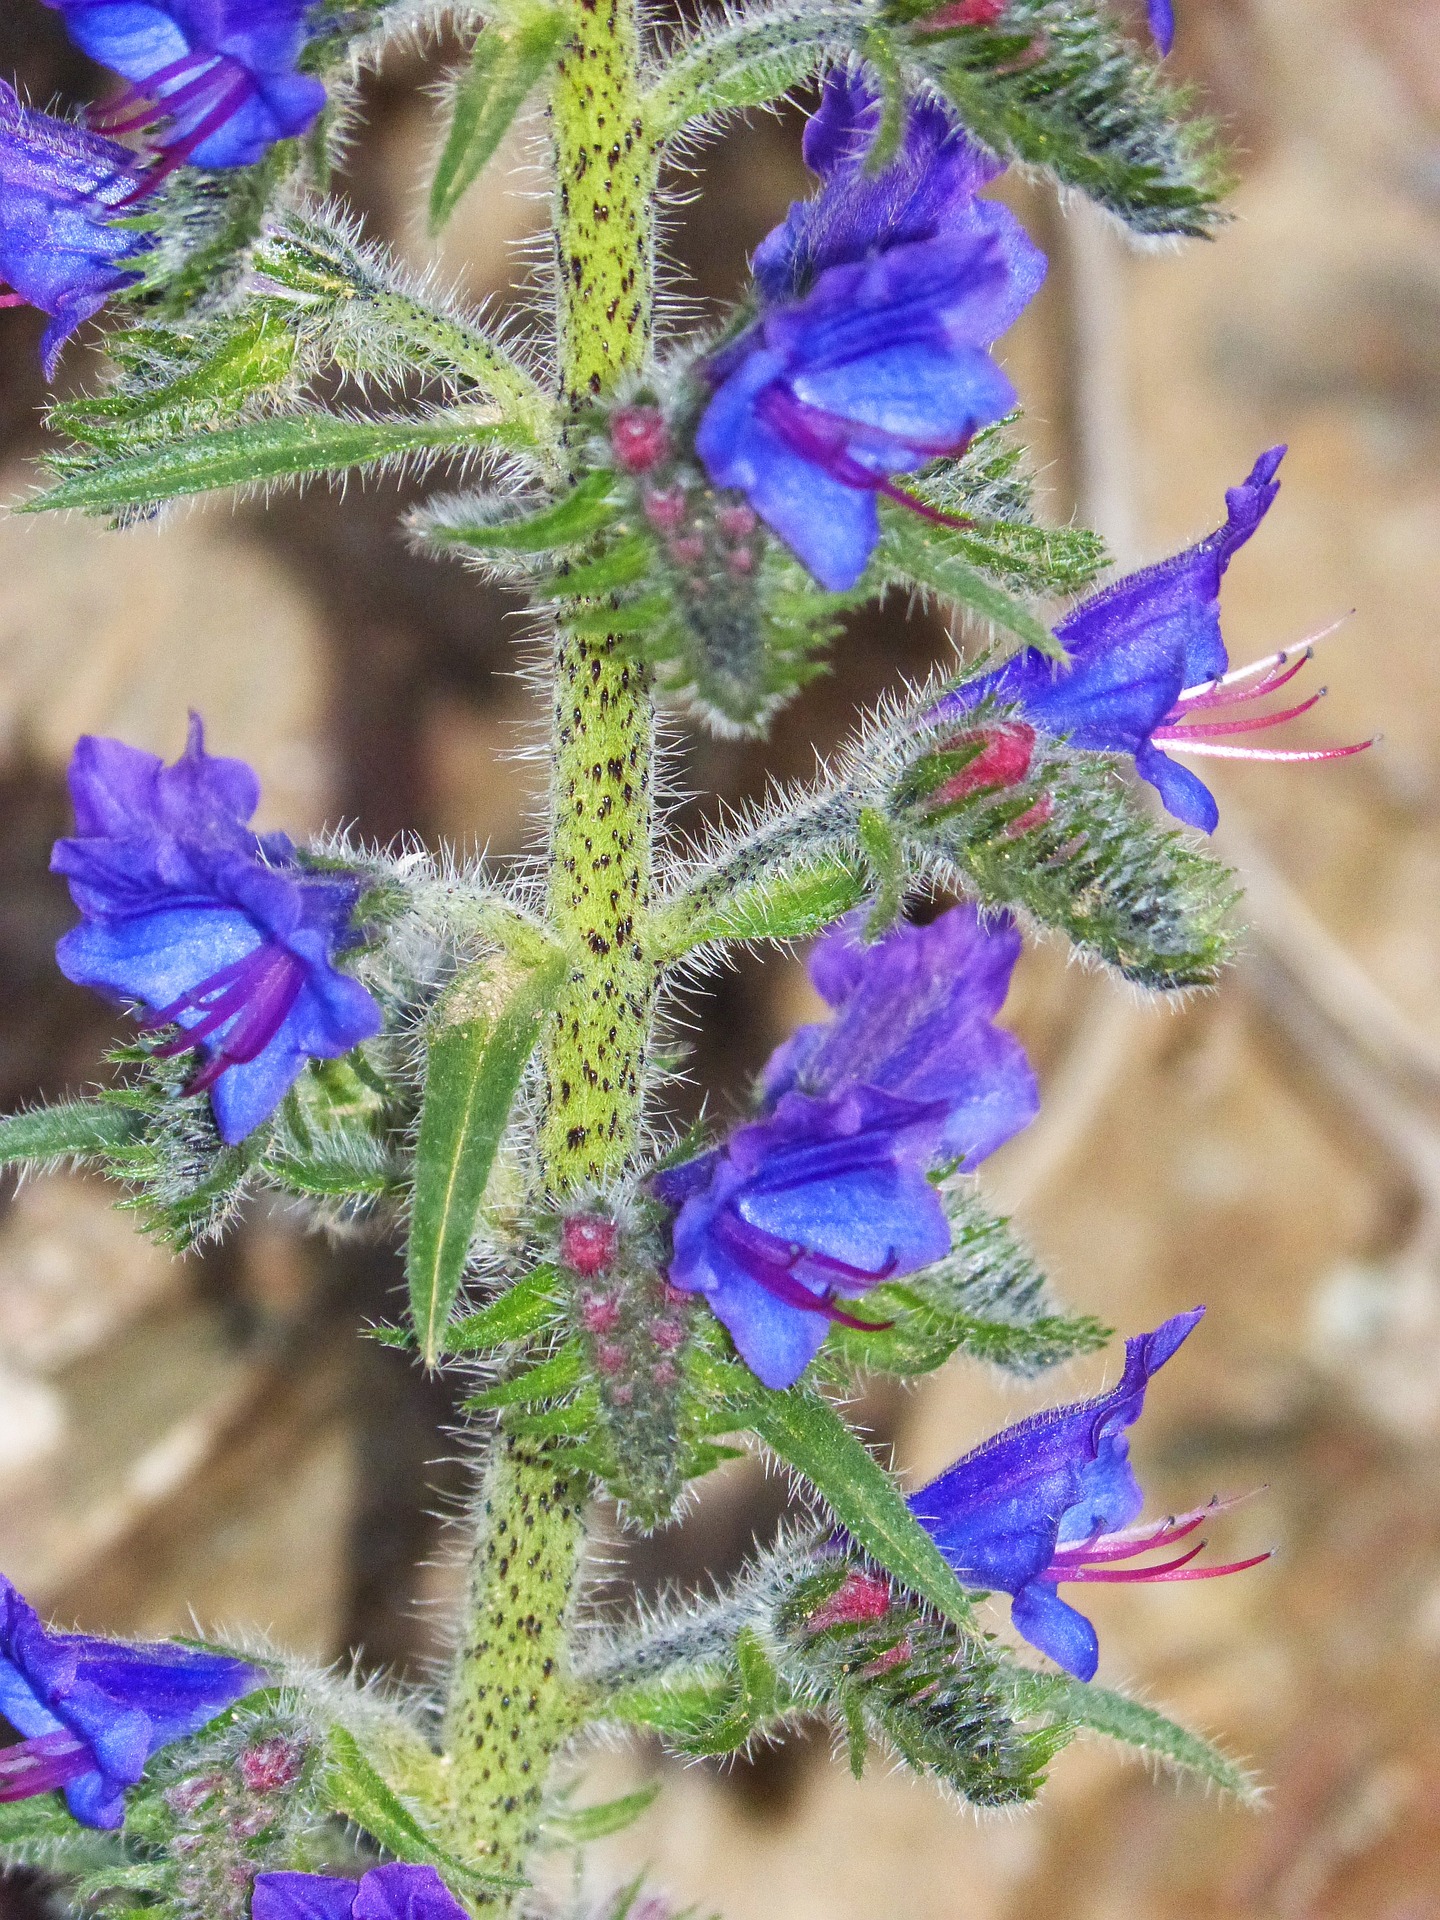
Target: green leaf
x,y
678,1710
1056,84
486,1031
734,64
527,1307
550,1380
511,56
283,448
72,1129
585,511
917,553
782,905
352,1786
810,1436
578,1826
1083,1704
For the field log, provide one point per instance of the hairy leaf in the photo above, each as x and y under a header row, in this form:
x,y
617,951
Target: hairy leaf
x,y
73,1129
1083,1704
526,1307
484,1034
914,552
511,56
579,1826
353,1787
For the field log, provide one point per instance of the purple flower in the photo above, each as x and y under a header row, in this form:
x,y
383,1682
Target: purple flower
x,y
93,1711
1146,657
60,249
211,927
1162,23
395,1892
221,74
827,1193
1052,1500
878,300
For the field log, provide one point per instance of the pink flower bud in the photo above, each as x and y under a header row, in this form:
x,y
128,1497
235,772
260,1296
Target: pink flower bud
x,y
861,1598
1003,760
600,1313
271,1764
667,1334
736,523
665,507
588,1242
687,549
609,1357
639,438
665,1374
741,560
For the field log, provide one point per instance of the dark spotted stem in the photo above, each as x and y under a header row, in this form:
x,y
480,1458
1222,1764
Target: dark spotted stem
x,y
512,1705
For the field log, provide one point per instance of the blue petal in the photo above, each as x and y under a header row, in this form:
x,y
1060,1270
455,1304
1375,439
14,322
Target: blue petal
x,y
1056,1629
245,1096
134,39
403,1892
870,1217
302,1896
1162,24
1184,793
157,958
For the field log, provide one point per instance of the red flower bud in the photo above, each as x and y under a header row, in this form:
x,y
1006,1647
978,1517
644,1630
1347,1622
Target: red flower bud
x,y
588,1242
1003,760
639,438
863,1597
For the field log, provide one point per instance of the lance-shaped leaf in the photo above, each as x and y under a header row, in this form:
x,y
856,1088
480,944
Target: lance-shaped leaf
x,y
487,526
485,1031
354,1787
71,1130
1058,1697
579,1826
737,62
913,552
287,447
511,56
810,1436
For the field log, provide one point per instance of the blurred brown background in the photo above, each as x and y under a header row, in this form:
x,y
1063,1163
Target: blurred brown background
x,y
211,1435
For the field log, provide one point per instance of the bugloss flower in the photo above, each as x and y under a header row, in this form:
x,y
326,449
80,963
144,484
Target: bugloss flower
x,y
220,74
1147,667
395,1892
827,1193
93,1711
1162,23
208,925
878,300
60,249
1052,1500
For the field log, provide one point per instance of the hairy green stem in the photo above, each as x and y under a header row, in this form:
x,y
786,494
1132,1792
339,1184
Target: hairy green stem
x,y
513,1702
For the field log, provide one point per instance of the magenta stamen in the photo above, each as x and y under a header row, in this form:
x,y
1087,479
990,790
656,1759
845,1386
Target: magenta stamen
x,y
43,1764
13,300
958,521
1218,750
1219,695
772,1261
1124,1573
825,440
174,157
1125,1546
256,993
1176,1570
1215,729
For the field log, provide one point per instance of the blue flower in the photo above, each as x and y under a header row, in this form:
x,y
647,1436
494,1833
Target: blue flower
x,y
1162,23
211,927
878,300
827,1193
395,1892
60,249
1052,1500
221,74
1146,657
93,1711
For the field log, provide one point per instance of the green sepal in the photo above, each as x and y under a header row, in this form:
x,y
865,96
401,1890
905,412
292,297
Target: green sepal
x,y
569,522
352,1786
525,1308
808,1434
512,55
1080,1703
914,552
484,1033
79,1130
551,1379
285,447
579,1826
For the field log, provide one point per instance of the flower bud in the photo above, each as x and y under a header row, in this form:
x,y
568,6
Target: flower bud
x,y
639,438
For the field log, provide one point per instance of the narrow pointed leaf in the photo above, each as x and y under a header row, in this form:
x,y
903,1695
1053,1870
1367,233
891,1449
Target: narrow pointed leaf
x,y
578,1826
810,1436
526,1307
915,553
284,448
1084,1704
511,56
486,1031
78,1129
583,512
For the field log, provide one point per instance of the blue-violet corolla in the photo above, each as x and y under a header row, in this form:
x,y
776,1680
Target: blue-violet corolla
x,y
1053,1500
394,1892
878,300
827,1194
220,75
61,249
1147,668
94,1711
210,926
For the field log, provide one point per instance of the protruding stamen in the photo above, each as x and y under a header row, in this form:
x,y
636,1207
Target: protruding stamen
x,y
1215,729
1217,695
1219,750
1269,662
43,1764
